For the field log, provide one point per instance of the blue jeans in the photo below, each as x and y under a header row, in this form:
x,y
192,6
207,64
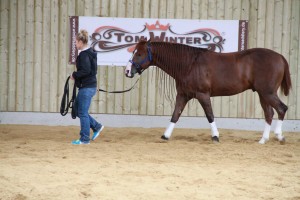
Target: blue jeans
x,y
83,102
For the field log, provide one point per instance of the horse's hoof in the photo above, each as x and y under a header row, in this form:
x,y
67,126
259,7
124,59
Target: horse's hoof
x,y
164,137
282,141
263,141
215,139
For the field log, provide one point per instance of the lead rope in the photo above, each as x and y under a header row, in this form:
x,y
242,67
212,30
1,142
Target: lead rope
x,y
71,104
121,91
65,100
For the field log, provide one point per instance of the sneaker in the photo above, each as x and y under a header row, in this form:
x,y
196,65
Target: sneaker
x,y
97,133
78,142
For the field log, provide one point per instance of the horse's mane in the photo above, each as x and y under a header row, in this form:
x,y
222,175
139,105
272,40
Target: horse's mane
x,y
177,59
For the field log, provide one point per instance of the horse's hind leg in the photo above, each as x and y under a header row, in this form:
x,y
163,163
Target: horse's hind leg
x,y
281,109
269,113
181,101
274,101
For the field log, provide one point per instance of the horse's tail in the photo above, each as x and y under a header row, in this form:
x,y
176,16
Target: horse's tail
x,y
286,83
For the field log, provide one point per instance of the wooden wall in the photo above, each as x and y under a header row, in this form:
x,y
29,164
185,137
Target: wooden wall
x,y
34,49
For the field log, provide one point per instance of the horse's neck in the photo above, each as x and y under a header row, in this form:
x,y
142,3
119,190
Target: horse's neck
x,y
168,62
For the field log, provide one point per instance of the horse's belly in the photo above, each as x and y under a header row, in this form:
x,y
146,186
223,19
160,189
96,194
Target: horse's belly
x,y
228,90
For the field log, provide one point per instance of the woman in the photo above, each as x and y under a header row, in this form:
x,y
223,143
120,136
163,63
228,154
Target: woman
x,y
86,81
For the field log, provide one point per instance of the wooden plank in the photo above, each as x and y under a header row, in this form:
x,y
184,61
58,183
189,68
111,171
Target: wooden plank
x,y
46,41
12,56
159,85
71,8
196,14
80,8
297,107
218,101
20,55
160,92
102,70
278,25
191,106
228,12
37,68
212,15
226,102
220,14
144,101
110,87
294,48
252,7
133,10
137,9
260,42
203,5
187,7
269,24
212,9
178,8
95,11
254,26
220,10
179,12
88,7
104,8
156,88
277,40
111,70
168,105
119,73
236,15
88,10
195,9
28,101
97,8
151,92
63,23
53,105
204,9
285,41
144,78
192,11
242,97
4,54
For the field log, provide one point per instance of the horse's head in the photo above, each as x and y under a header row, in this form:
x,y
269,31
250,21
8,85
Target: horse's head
x,y
141,59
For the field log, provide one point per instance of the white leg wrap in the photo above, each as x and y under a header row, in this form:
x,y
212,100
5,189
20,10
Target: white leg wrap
x,y
266,134
278,130
169,130
214,129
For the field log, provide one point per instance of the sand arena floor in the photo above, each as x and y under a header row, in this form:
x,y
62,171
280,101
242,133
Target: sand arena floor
x,y
39,162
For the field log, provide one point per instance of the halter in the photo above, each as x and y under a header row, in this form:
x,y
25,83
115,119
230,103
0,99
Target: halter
x,y
138,66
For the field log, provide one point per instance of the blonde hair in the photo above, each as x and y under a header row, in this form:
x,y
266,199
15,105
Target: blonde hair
x,y
83,36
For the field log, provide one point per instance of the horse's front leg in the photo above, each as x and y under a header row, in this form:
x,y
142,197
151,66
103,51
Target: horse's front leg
x,y
181,101
204,100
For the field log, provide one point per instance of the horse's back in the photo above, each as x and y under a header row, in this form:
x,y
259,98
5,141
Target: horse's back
x,y
256,69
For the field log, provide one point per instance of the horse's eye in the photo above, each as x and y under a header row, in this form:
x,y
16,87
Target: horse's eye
x,y
138,54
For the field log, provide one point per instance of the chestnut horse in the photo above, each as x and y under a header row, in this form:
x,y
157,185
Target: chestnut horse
x,y
201,74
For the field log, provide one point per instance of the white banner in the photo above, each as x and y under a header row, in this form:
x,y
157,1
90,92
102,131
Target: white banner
x,y
115,38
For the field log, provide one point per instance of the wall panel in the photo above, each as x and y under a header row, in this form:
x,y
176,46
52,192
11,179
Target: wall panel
x,y
34,49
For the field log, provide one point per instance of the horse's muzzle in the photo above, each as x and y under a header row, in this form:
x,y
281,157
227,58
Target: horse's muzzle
x,y
128,74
